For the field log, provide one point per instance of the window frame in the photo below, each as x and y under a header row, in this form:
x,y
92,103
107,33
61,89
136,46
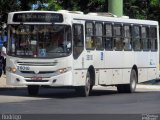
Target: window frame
x,y
116,24
130,37
133,37
105,36
156,47
92,37
147,37
82,31
102,45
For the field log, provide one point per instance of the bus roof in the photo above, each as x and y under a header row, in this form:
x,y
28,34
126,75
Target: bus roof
x,y
77,15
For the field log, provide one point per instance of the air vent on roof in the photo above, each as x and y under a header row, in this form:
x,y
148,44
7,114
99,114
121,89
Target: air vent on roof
x,y
102,14
66,11
63,11
76,12
126,17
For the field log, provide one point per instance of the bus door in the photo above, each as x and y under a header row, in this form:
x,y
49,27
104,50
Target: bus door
x,y
78,48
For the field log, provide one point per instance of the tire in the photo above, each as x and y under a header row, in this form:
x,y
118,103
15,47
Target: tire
x,y
131,87
121,88
84,91
33,90
133,82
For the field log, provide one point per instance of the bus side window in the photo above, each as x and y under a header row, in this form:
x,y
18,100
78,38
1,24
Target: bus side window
x,y
118,43
153,38
127,37
98,36
136,38
144,37
108,36
90,43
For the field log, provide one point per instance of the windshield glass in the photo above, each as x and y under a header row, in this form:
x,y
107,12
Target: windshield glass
x,y
47,41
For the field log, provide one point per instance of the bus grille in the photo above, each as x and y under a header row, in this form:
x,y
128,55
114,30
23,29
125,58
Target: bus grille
x,y
40,72
37,63
37,80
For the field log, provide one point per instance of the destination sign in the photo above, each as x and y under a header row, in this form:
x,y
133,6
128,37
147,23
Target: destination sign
x,y
37,17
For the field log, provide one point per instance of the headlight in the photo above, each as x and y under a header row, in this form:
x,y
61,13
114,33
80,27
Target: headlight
x,y
10,69
63,70
14,70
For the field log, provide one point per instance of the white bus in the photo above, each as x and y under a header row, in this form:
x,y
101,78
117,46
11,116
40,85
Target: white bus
x,y
72,49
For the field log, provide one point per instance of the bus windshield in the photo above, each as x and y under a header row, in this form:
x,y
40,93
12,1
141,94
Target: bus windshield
x,y
47,41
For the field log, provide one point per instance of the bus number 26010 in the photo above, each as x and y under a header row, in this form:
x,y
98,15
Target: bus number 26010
x,y
23,68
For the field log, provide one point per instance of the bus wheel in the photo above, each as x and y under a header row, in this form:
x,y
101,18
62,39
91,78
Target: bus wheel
x,y
131,87
33,90
85,90
121,88
133,82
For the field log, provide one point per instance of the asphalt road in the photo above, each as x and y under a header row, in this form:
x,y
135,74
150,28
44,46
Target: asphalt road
x,y
65,101
64,104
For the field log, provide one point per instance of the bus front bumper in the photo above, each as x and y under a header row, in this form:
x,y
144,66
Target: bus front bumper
x,y
64,79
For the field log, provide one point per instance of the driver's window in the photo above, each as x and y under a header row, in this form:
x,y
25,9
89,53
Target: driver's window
x,y
68,38
78,40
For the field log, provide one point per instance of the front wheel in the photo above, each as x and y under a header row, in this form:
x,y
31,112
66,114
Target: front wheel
x,y
33,90
85,90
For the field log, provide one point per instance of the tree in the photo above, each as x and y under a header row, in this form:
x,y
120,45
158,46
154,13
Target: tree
x,y
72,5
85,5
26,4
144,9
7,6
50,5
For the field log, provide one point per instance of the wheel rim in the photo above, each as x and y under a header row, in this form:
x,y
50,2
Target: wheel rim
x,y
87,86
133,85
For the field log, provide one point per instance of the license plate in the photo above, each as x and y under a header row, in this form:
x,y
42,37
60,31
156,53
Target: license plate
x,y
36,78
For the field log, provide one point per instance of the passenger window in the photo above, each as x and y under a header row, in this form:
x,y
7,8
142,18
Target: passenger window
x,y
136,38
108,36
118,43
90,44
153,38
127,37
98,36
144,36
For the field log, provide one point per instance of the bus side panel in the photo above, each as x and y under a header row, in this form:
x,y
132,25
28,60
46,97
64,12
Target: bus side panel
x,y
153,62
114,62
105,77
107,64
128,64
79,77
99,60
79,70
142,62
152,72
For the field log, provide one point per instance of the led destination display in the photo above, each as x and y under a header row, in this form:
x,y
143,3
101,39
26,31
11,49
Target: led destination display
x,y
37,17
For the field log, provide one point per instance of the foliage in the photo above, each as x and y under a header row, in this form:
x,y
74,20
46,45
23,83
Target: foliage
x,y
7,6
50,5
141,9
144,9
154,2
78,5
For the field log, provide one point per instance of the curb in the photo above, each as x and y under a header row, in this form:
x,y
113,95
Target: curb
x,y
98,87
10,88
139,86
155,87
